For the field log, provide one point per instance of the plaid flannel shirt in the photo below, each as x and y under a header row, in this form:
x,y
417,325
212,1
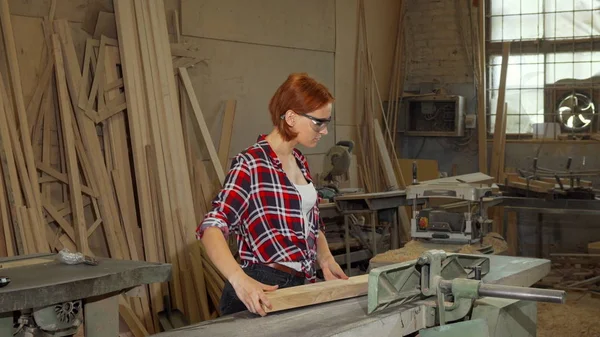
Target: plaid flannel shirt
x,y
263,208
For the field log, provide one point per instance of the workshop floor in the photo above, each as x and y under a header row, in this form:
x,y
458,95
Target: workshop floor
x,y
580,317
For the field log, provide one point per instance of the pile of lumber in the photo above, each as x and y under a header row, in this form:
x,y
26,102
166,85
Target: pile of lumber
x,y
96,156
575,272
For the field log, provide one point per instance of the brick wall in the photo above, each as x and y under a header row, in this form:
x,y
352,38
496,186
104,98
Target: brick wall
x,y
435,49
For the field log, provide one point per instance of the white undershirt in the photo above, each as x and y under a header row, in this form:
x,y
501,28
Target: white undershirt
x,y
308,198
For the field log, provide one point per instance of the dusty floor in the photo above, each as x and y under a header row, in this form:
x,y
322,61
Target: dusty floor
x,y
579,317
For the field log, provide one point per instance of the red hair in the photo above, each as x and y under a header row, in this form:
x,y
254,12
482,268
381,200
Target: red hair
x,y
299,93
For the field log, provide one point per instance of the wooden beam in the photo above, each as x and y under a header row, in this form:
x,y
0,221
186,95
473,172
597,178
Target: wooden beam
x,y
316,293
187,83
15,77
226,132
70,152
55,175
500,127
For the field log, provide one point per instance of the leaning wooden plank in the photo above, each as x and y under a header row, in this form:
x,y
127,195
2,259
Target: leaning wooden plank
x,y
10,176
500,127
64,225
17,90
198,272
91,143
158,157
173,130
226,132
26,184
138,127
187,83
7,228
316,293
132,321
71,155
391,182
49,170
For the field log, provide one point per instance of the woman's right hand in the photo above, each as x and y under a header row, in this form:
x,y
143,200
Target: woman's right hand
x,y
251,292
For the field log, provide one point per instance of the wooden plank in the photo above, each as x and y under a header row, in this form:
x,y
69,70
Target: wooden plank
x,y
70,152
91,143
7,229
187,83
199,281
138,127
512,233
64,225
9,169
62,177
316,293
25,262
481,90
133,322
226,132
500,127
17,90
390,177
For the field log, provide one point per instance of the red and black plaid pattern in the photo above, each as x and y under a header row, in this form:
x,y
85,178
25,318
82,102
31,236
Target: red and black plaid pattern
x,y
263,208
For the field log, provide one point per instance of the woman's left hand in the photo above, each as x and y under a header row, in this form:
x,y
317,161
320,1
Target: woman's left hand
x,y
331,269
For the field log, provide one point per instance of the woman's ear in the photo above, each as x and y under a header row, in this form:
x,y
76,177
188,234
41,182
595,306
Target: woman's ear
x,y
290,117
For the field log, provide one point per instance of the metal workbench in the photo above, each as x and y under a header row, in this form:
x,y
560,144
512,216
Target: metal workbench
x,y
372,204
348,317
52,282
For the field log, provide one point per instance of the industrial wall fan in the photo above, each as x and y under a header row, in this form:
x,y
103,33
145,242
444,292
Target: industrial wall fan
x,y
576,112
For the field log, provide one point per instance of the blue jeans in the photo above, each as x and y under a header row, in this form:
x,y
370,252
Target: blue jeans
x,y
230,303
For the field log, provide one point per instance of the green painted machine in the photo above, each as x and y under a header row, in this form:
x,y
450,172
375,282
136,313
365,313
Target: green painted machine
x,y
447,297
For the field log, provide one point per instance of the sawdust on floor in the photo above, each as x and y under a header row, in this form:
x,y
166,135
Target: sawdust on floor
x,y
413,249
580,317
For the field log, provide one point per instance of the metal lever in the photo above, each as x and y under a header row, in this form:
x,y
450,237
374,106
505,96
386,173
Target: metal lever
x,y
465,286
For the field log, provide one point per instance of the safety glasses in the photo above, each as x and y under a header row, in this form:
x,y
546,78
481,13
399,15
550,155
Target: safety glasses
x,y
318,124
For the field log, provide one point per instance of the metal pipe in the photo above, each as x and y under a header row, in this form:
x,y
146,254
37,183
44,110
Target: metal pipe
x,y
523,293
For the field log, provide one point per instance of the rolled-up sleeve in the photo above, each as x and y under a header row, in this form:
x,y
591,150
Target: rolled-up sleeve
x,y
231,202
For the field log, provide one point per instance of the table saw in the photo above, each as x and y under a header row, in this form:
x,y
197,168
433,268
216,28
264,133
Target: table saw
x,y
499,311
52,298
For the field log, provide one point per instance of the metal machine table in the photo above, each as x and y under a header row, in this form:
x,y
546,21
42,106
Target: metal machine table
x,y
47,283
349,317
371,203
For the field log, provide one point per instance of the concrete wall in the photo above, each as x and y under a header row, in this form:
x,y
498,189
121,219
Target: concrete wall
x,y
250,47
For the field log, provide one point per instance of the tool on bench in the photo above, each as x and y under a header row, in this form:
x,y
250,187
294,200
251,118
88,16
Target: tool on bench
x,y
335,164
444,288
442,225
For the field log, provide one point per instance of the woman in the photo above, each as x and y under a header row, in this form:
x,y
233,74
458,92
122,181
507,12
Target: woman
x,y
269,200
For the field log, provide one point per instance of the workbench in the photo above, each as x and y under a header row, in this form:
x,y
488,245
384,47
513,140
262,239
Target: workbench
x,y
348,317
40,280
372,204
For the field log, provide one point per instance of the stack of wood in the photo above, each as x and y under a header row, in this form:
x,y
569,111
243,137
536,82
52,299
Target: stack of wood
x,y
575,272
96,158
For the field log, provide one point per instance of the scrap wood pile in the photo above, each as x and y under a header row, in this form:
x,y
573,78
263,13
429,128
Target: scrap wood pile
x,y
95,154
575,272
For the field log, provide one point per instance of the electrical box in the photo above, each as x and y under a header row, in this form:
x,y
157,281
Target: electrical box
x,y
470,121
435,115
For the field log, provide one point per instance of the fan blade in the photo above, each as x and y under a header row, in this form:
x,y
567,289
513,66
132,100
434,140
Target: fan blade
x,y
584,120
569,122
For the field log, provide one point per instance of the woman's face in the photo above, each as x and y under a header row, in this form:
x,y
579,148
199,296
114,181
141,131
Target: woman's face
x,y
312,126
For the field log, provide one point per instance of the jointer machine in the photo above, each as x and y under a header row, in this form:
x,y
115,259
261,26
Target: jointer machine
x,y
438,294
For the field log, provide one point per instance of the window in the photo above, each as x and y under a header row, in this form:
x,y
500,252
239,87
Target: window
x,y
553,73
